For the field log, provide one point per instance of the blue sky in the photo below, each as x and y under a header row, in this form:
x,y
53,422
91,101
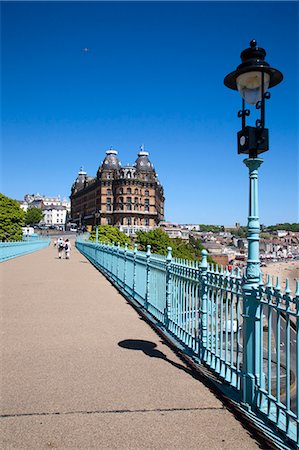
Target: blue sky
x,y
153,76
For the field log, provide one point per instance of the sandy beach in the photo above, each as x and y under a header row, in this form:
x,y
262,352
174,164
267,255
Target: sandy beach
x,y
283,270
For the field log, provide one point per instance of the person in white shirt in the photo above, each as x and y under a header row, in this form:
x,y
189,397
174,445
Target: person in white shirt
x,y
60,247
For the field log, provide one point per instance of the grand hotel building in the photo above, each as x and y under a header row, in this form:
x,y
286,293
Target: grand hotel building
x,y
130,197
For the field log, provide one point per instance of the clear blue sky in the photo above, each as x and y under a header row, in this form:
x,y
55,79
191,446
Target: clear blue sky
x,y
153,75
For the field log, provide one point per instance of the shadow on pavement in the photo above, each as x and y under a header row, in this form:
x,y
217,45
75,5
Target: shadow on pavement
x,y
149,349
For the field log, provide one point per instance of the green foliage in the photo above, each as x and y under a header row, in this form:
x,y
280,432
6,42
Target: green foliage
x,y
109,234
265,235
240,232
213,228
11,219
284,226
159,241
33,216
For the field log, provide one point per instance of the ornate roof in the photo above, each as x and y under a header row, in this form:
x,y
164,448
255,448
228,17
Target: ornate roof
x,y
111,161
142,163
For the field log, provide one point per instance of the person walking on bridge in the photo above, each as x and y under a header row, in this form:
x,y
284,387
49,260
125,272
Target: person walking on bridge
x,y
60,247
67,249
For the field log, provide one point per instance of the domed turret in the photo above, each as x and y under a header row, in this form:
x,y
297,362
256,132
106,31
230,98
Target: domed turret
x,y
111,161
142,163
80,180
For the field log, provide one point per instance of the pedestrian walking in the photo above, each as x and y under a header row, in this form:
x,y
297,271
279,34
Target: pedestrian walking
x,y
67,249
60,247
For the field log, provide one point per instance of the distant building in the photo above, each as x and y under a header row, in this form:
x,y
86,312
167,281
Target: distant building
x,y
130,197
174,230
190,227
54,209
55,215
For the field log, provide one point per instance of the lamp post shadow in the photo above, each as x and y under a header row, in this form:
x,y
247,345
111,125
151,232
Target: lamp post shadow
x,y
149,349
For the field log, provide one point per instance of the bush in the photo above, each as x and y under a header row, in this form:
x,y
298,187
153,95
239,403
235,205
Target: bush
x,y
11,219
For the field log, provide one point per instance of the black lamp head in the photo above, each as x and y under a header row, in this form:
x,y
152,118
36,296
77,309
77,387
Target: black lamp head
x,y
253,60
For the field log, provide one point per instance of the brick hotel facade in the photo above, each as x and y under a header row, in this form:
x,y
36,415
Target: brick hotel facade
x,y
130,198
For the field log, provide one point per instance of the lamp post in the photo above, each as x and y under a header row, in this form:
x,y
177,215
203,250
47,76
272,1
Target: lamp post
x,y
252,78
97,216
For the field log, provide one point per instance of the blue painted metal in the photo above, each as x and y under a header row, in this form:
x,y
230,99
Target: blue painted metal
x,y
205,308
251,315
10,250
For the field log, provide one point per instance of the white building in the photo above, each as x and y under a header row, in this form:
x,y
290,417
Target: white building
x,y
55,215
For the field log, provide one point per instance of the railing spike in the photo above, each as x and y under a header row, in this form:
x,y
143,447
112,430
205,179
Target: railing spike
x,y
261,279
277,285
287,289
269,283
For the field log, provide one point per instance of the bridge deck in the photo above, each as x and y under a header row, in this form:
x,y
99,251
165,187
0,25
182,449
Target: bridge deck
x,y
67,383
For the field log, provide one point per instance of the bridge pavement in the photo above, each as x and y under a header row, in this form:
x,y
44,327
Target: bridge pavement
x,y
66,383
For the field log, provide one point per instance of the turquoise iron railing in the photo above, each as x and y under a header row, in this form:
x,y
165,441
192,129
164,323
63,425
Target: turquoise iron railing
x,y
202,307
10,250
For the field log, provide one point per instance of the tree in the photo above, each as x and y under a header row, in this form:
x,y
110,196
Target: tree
x,y
284,226
11,219
213,228
33,215
108,233
157,239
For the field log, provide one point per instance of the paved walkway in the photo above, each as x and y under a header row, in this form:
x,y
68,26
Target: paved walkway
x,y
76,374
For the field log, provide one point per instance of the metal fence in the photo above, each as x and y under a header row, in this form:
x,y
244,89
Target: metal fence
x,y
203,308
10,250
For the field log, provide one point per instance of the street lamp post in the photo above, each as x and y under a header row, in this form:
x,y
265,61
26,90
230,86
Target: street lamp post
x,y
252,78
97,216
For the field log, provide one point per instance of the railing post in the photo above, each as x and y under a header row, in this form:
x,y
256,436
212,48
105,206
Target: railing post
x,y
252,346
112,258
167,310
125,265
147,294
117,262
203,310
134,269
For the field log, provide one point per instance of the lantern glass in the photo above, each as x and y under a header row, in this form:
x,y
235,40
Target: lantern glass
x,y
249,85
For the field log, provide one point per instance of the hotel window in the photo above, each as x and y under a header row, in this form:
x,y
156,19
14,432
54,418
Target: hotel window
x,y
129,207
129,199
146,204
136,191
146,222
129,191
146,193
108,191
135,207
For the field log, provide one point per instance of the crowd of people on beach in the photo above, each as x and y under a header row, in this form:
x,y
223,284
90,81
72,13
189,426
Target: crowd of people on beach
x,y
63,247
